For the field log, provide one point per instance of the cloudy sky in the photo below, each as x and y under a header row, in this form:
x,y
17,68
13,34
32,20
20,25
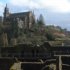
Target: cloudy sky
x,y
55,12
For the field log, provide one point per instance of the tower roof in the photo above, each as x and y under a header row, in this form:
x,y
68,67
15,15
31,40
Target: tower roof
x,y
6,7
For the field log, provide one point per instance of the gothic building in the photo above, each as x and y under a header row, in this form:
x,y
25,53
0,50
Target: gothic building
x,y
12,21
23,19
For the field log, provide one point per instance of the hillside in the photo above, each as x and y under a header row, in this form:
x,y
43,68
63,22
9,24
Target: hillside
x,y
38,34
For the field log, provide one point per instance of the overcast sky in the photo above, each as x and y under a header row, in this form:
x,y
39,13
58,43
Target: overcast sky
x,y
56,12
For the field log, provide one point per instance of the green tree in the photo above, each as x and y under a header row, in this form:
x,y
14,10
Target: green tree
x,y
50,36
40,21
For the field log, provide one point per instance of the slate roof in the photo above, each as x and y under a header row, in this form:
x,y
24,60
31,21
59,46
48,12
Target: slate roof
x,y
21,14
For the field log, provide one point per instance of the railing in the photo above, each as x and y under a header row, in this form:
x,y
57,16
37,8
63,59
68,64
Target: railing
x,y
61,52
26,55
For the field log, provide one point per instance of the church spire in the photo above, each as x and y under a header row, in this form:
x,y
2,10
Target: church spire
x,y
6,5
6,11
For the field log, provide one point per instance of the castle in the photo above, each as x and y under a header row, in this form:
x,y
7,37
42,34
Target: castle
x,y
23,19
13,21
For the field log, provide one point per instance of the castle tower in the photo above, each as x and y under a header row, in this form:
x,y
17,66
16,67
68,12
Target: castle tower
x,y
5,29
6,12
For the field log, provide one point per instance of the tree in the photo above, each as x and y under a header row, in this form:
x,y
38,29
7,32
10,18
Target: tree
x,y
40,21
50,36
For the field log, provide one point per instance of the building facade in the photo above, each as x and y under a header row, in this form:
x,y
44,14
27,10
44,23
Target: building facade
x,y
13,21
23,19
